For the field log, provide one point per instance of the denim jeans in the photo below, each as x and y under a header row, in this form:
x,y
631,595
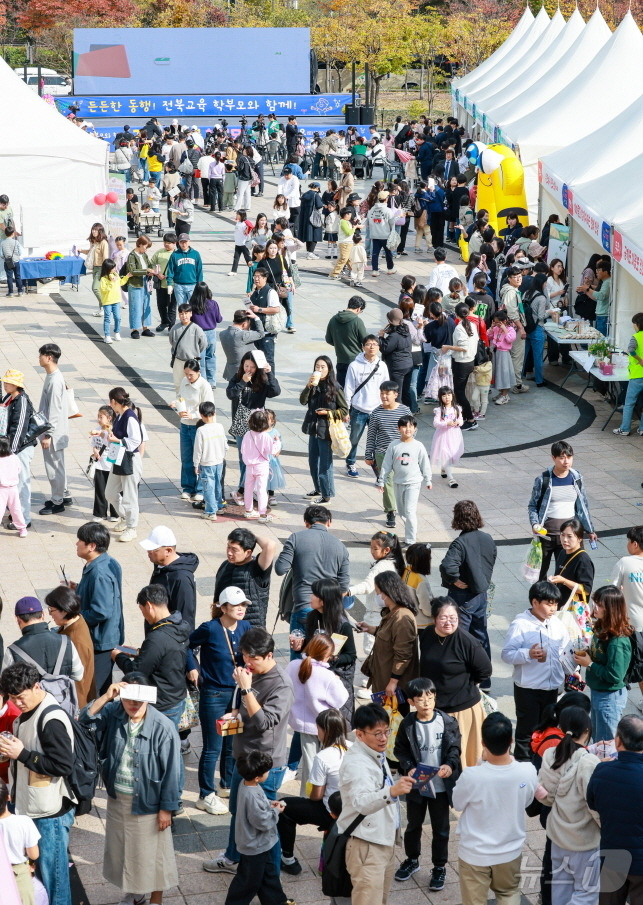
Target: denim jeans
x,y
320,462
12,274
213,704
212,488
607,709
602,324
413,389
140,310
183,292
53,863
359,423
536,343
378,245
242,465
156,176
175,713
473,613
190,483
634,389
298,619
289,305
271,787
209,357
109,312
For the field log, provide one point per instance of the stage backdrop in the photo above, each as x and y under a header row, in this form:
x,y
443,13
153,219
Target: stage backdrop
x,y
162,60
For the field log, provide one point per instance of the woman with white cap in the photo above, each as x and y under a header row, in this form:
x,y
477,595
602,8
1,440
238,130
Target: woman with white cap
x,y
218,644
19,410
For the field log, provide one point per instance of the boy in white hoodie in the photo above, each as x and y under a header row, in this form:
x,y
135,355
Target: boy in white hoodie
x,y
533,645
364,377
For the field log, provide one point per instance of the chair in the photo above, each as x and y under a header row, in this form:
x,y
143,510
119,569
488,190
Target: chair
x,y
358,162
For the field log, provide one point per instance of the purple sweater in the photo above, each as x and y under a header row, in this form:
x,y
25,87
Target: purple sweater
x,y
211,318
323,690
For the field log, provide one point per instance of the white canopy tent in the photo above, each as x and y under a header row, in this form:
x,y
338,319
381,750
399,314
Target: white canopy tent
x,y
496,92
513,97
585,103
513,40
50,169
501,71
627,275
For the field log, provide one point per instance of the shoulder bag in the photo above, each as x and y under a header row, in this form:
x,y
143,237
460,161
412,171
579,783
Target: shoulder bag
x,y
336,881
364,382
176,345
316,219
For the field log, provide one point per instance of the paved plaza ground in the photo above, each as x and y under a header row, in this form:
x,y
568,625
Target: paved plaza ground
x,y
501,461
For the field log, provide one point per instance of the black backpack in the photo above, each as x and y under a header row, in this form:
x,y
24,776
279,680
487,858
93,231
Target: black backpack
x,y
528,311
83,779
585,307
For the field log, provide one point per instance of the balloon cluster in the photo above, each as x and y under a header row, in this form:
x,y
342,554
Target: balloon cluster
x,y
109,198
482,156
53,255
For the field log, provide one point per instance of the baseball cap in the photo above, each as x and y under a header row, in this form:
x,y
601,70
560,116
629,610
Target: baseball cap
x,y
184,237
233,596
354,197
160,537
27,605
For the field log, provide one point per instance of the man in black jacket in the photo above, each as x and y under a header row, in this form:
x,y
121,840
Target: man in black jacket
x,y
174,571
41,645
292,130
467,568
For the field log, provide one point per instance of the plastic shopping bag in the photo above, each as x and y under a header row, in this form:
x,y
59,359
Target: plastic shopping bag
x,y
531,568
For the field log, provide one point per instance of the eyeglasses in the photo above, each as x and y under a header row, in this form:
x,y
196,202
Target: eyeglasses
x,y
452,619
383,734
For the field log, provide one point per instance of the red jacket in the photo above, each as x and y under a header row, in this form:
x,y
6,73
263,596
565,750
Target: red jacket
x,y
6,725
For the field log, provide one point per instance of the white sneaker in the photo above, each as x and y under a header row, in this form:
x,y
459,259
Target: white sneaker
x,y
231,274
220,864
97,519
186,496
108,340
120,525
128,535
212,804
363,694
132,898
289,775
197,498
117,337
312,256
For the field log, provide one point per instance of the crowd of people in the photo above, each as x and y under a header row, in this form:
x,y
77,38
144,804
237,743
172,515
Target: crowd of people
x,y
399,720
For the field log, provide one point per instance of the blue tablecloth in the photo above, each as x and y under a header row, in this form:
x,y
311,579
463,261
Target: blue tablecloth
x,y
41,268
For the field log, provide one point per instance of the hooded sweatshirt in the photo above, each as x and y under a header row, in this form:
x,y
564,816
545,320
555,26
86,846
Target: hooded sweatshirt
x,y
368,397
397,349
178,580
571,824
346,331
381,219
162,658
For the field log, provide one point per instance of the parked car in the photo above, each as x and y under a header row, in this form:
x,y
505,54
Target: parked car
x,y
53,82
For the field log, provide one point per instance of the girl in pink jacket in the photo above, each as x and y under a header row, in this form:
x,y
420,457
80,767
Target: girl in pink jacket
x,y
256,448
502,337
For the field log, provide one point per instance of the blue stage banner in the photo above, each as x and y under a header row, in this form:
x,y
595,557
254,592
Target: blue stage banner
x,y
207,105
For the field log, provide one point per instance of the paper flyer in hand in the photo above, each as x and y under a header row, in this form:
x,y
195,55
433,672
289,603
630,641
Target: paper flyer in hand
x,y
423,776
339,641
379,697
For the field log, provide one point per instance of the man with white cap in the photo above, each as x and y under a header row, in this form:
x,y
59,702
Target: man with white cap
x,y
19,410
174,571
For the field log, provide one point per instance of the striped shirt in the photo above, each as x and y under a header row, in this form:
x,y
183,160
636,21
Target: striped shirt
x,y
124,780
382,429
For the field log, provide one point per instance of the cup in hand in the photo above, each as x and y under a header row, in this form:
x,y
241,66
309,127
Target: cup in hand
x,y
315,378
296,639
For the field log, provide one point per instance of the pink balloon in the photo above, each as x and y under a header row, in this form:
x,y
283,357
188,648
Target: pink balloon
x,y
99,199
112,197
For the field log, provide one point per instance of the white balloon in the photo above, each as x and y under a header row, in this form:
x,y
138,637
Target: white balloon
x,y
490,160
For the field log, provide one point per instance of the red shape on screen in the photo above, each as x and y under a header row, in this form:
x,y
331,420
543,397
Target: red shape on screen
x,y
109,62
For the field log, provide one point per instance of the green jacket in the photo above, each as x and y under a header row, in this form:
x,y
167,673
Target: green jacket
x,y
610,662
346,331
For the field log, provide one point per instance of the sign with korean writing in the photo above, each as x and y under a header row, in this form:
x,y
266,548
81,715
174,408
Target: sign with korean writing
x,y
587,218
212,105
552,183
629,255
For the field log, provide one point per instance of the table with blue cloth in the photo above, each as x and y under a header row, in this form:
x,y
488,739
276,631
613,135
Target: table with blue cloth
x,y
42,269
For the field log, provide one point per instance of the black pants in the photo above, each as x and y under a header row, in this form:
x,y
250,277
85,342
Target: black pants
x,y
403,380
341,370
103,669
630,890
530,703
551,547
240,250
256,876
554,351
294,219
166,304
205,186
258,190
182,227
403,234
192,186
216,194
436,225
461,371
310,246
100,503
300,812
438,808
546,871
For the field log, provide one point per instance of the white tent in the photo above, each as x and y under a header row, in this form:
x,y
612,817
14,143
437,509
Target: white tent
x,y
510,101
49,168
627,275
585,103
496,91
501,70
512,41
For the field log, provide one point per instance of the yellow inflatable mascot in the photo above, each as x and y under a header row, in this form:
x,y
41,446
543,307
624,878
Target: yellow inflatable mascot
x,y
501,186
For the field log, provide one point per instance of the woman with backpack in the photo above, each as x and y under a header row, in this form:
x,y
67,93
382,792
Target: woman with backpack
x,y
535,304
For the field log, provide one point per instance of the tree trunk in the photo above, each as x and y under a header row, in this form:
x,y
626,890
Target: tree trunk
x,y
375,94
422,81
406,83
328,76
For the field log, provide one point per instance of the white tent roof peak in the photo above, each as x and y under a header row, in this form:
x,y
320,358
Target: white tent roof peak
x,y
522,27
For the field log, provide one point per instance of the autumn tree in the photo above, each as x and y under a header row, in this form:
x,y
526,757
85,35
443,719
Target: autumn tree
x,y
426,39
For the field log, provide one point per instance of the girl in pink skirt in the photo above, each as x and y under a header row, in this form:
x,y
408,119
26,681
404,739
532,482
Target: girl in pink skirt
x,y
448,445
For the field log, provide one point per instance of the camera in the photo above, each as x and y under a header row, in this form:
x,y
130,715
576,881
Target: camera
x,y
243,120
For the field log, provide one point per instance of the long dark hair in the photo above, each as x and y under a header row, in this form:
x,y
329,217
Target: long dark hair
x,y
259,378
442,392
615,622
391,584
575,723
328,386
106,267
389,541
537,287
473,262
436,309
333,725
101,234
462,312
332,616
120,395
201,295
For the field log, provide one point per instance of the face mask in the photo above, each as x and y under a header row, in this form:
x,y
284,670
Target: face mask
x,y
380,600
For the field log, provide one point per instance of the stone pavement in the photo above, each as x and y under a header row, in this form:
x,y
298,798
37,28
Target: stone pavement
x,y
501,460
